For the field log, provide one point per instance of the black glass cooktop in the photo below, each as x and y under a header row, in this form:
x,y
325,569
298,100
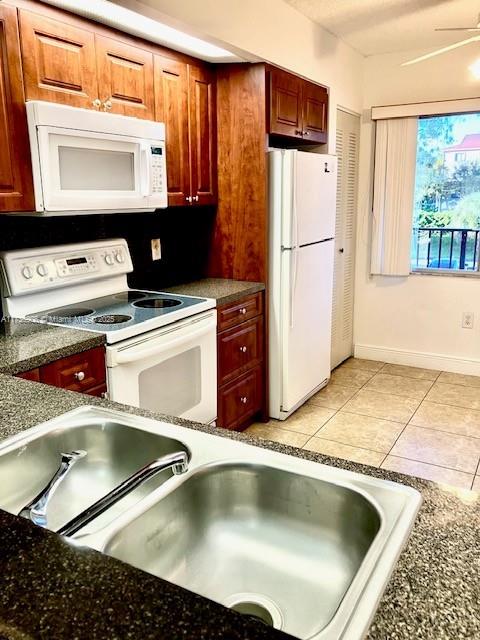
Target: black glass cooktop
x,y
116,311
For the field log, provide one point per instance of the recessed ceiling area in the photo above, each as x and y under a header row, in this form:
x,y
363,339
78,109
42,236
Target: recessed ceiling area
x,y
384,26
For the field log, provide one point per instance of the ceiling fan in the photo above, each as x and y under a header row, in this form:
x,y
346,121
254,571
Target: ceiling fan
x,y
473,29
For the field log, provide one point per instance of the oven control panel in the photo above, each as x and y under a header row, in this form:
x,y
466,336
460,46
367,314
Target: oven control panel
x,y
31,270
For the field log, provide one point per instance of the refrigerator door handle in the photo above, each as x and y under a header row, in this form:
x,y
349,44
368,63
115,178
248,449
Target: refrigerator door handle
x,y
293,284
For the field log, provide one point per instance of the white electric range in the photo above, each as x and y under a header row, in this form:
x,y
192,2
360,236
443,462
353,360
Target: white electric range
x,y
161,348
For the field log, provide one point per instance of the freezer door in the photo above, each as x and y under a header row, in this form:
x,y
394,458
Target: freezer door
x,y
314,196
307,275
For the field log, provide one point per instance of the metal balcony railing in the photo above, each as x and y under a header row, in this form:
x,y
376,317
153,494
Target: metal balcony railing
x,y
445,248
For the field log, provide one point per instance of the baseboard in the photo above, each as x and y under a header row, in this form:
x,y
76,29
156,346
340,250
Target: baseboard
x,y
438,361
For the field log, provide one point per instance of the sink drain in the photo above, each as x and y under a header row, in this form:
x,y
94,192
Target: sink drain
x,y
256,606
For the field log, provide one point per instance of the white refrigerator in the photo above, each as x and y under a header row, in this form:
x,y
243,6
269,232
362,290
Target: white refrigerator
x,y
302,200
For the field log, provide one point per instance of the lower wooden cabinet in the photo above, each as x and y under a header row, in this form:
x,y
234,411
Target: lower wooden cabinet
x,y
240,355
241,399
82,372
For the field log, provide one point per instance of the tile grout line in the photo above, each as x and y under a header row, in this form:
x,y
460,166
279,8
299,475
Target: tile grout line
x,y
431,464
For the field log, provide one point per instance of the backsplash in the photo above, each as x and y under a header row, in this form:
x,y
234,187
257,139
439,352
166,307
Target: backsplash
x,y
184,234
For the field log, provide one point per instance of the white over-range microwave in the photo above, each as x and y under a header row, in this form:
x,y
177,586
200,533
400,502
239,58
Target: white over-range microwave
x,y
91,162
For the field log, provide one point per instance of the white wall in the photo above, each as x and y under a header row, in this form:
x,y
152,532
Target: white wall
x,y
273,31
406,320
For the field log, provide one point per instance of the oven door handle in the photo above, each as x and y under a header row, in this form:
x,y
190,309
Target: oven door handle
x,y
135,354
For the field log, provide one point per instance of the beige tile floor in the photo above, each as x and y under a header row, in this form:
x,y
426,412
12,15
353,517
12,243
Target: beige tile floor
x,y
415,421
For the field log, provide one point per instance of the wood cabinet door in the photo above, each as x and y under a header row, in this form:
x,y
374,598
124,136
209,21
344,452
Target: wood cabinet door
x,y
16,188
203,135
171,107
80,372
315,113
58,61
125,78
285,109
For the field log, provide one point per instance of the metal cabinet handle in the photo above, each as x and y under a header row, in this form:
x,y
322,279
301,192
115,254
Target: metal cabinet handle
x,y
97,103
243,311
298,132
107,105
79,375
243,349
244,399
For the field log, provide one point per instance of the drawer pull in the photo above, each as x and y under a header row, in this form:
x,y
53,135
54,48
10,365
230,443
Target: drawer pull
x,y
244,399
243,311
243,349
79,375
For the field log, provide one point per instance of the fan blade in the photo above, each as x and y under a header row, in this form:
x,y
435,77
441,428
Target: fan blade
x,y
462,43
458,29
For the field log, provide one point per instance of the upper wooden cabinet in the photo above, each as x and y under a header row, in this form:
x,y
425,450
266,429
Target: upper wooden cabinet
x,y
203,135
16,188
73,65
185,101
171,107
59,61
125,78
297,108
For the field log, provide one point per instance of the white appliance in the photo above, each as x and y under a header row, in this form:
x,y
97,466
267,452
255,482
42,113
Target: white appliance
x,y
92,162
161,348
302,229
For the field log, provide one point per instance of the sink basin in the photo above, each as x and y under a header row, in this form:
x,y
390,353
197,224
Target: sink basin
x,y
301,546
280,546
114,452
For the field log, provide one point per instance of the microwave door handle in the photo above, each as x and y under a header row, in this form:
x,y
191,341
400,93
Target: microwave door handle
x,y
146,170
143,352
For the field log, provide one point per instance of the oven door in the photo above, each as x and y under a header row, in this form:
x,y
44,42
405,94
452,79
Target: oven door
x,y
87,171
172,370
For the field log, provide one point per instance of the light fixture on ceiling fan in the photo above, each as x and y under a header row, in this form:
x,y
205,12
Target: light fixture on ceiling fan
x,y
451,47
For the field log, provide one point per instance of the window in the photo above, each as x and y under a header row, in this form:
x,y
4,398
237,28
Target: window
x,y
446,226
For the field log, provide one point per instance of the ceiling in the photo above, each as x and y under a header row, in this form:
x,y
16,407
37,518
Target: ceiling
x,y
384,26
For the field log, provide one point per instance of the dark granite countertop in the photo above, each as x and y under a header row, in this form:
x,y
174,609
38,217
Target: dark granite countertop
x,y
51,589
222,290
26,345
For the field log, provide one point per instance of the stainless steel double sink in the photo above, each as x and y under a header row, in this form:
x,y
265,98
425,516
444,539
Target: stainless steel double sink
x,y
301,546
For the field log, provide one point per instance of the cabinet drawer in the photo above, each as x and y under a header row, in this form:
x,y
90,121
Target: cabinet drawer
x,y
79,372
232,314
240,399
240,349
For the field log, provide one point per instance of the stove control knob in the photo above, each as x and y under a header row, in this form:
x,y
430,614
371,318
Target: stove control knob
x,y
109,259
27,273
120,258
42,270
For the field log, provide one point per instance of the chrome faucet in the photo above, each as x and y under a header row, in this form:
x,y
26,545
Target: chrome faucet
x,y
178,462
36,510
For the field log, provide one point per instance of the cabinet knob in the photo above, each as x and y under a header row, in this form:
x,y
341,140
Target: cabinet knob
x,y
306,133
79,375
107,105
97,103
104,395
298,132
188,198
243,349
243,311
341,250
244,399
196,198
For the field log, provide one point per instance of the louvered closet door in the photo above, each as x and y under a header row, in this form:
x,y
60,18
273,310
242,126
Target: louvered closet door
x,y
348,137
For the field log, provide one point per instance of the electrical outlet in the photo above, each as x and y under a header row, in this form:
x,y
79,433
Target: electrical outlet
x,y
156,249
467,320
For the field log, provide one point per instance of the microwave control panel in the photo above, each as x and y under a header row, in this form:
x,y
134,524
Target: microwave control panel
x,y
158,167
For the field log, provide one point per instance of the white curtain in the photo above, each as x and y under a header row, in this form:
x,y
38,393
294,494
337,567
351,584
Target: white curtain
x,y
393,199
